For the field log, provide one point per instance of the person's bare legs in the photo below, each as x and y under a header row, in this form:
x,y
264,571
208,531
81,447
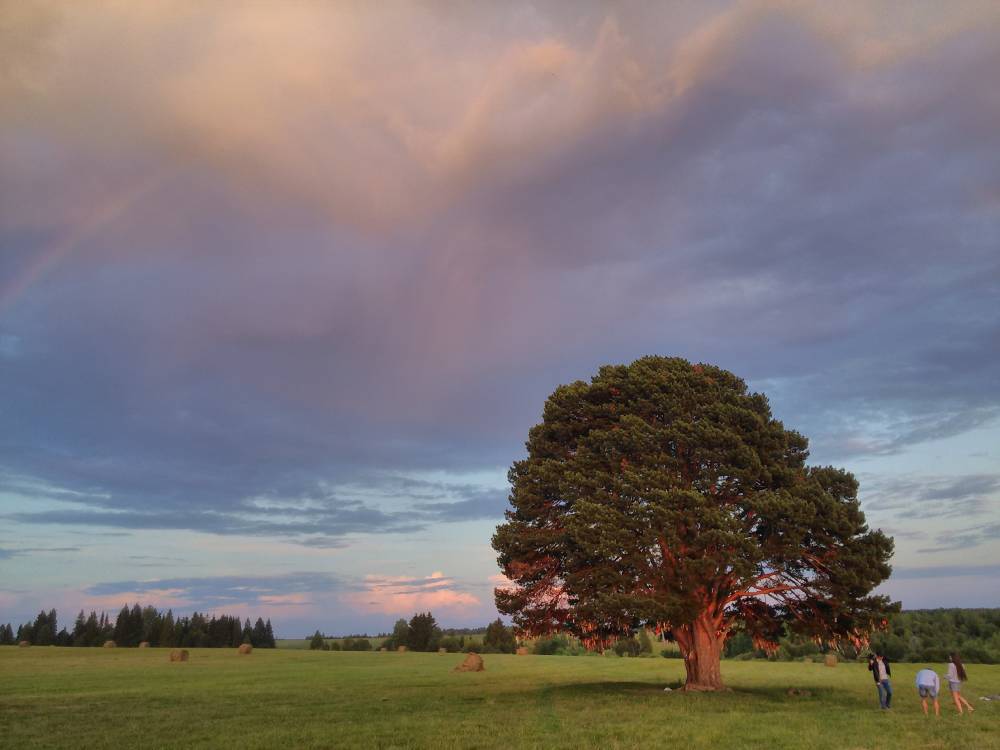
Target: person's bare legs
x,y
923,703
967,704
958,701
937,707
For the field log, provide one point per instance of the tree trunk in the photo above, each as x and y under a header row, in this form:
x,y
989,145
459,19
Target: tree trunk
x,y
701,646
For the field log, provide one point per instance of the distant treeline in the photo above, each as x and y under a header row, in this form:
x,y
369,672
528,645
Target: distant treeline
x,y
916,635
422,633
142,624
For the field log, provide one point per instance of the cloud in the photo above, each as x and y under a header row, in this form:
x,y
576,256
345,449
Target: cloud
x,y
916,496
258,262
401,595
227,594
321,517
6,553
946,571
964,539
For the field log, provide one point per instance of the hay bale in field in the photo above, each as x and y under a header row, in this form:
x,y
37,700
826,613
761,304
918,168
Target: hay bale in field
x,y
473,663
522,651
830,660
442,650
110,644
383,649
401,649
144,644
179,654
245,648
24,644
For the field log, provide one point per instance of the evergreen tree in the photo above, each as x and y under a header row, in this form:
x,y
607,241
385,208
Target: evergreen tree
x,y
269,634
122,626
664,494
317,642
168,634
79,629
499,638
259,636
423,633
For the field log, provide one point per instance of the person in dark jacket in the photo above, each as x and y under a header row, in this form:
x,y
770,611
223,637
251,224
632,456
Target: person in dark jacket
x,y
878,665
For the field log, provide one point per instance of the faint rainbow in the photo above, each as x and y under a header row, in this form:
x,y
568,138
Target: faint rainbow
x,y
55,252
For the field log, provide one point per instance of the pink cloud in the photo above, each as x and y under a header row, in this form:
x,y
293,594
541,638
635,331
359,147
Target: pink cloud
x,y
404,595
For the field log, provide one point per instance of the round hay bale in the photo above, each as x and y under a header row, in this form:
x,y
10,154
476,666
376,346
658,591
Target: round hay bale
x,y
179,654
245,648
144,644
830,660
472,663
442,650
401,649
110,644
522,651
383,649
24,644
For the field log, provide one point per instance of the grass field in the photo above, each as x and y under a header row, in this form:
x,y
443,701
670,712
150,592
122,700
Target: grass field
x,y
122,698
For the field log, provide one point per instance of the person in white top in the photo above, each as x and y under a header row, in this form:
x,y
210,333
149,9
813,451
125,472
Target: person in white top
x,y
928,685
956,676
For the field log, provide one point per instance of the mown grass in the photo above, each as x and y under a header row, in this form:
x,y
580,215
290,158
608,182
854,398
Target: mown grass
x,y
53,698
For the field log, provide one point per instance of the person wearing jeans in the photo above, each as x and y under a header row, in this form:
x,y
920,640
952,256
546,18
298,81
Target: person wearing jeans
x,y
881,672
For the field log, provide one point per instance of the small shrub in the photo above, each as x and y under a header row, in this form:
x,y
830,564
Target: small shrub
x,y
628,647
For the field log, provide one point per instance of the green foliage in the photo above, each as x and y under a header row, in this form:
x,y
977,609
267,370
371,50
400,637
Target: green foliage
x,y
317,642
558,645
356,644
925,636
400,635
423,633
451,644
665,494
137,624
499,638
627,647
645,644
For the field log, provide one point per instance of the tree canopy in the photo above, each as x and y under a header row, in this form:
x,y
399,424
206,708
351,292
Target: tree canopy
x,y
665,494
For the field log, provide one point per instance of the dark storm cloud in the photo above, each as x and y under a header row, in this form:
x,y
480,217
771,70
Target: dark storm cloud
x,y
393,281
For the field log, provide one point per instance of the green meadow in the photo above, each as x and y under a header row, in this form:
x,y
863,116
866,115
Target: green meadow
x,y
120,698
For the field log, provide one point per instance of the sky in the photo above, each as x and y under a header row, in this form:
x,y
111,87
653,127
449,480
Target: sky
x,y
283,286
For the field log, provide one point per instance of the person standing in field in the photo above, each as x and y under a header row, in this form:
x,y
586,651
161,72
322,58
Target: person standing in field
x,y
928,686
881,672
956,676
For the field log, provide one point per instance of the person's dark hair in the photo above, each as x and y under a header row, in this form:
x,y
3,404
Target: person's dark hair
x,y
879,654
959,667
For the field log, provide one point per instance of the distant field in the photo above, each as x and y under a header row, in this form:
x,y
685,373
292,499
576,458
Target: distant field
x,y
121,698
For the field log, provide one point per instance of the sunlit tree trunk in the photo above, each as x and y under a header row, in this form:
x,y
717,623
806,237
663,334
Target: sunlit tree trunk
x,y
701,645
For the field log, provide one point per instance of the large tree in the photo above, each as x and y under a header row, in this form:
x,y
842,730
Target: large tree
x,y
664,494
